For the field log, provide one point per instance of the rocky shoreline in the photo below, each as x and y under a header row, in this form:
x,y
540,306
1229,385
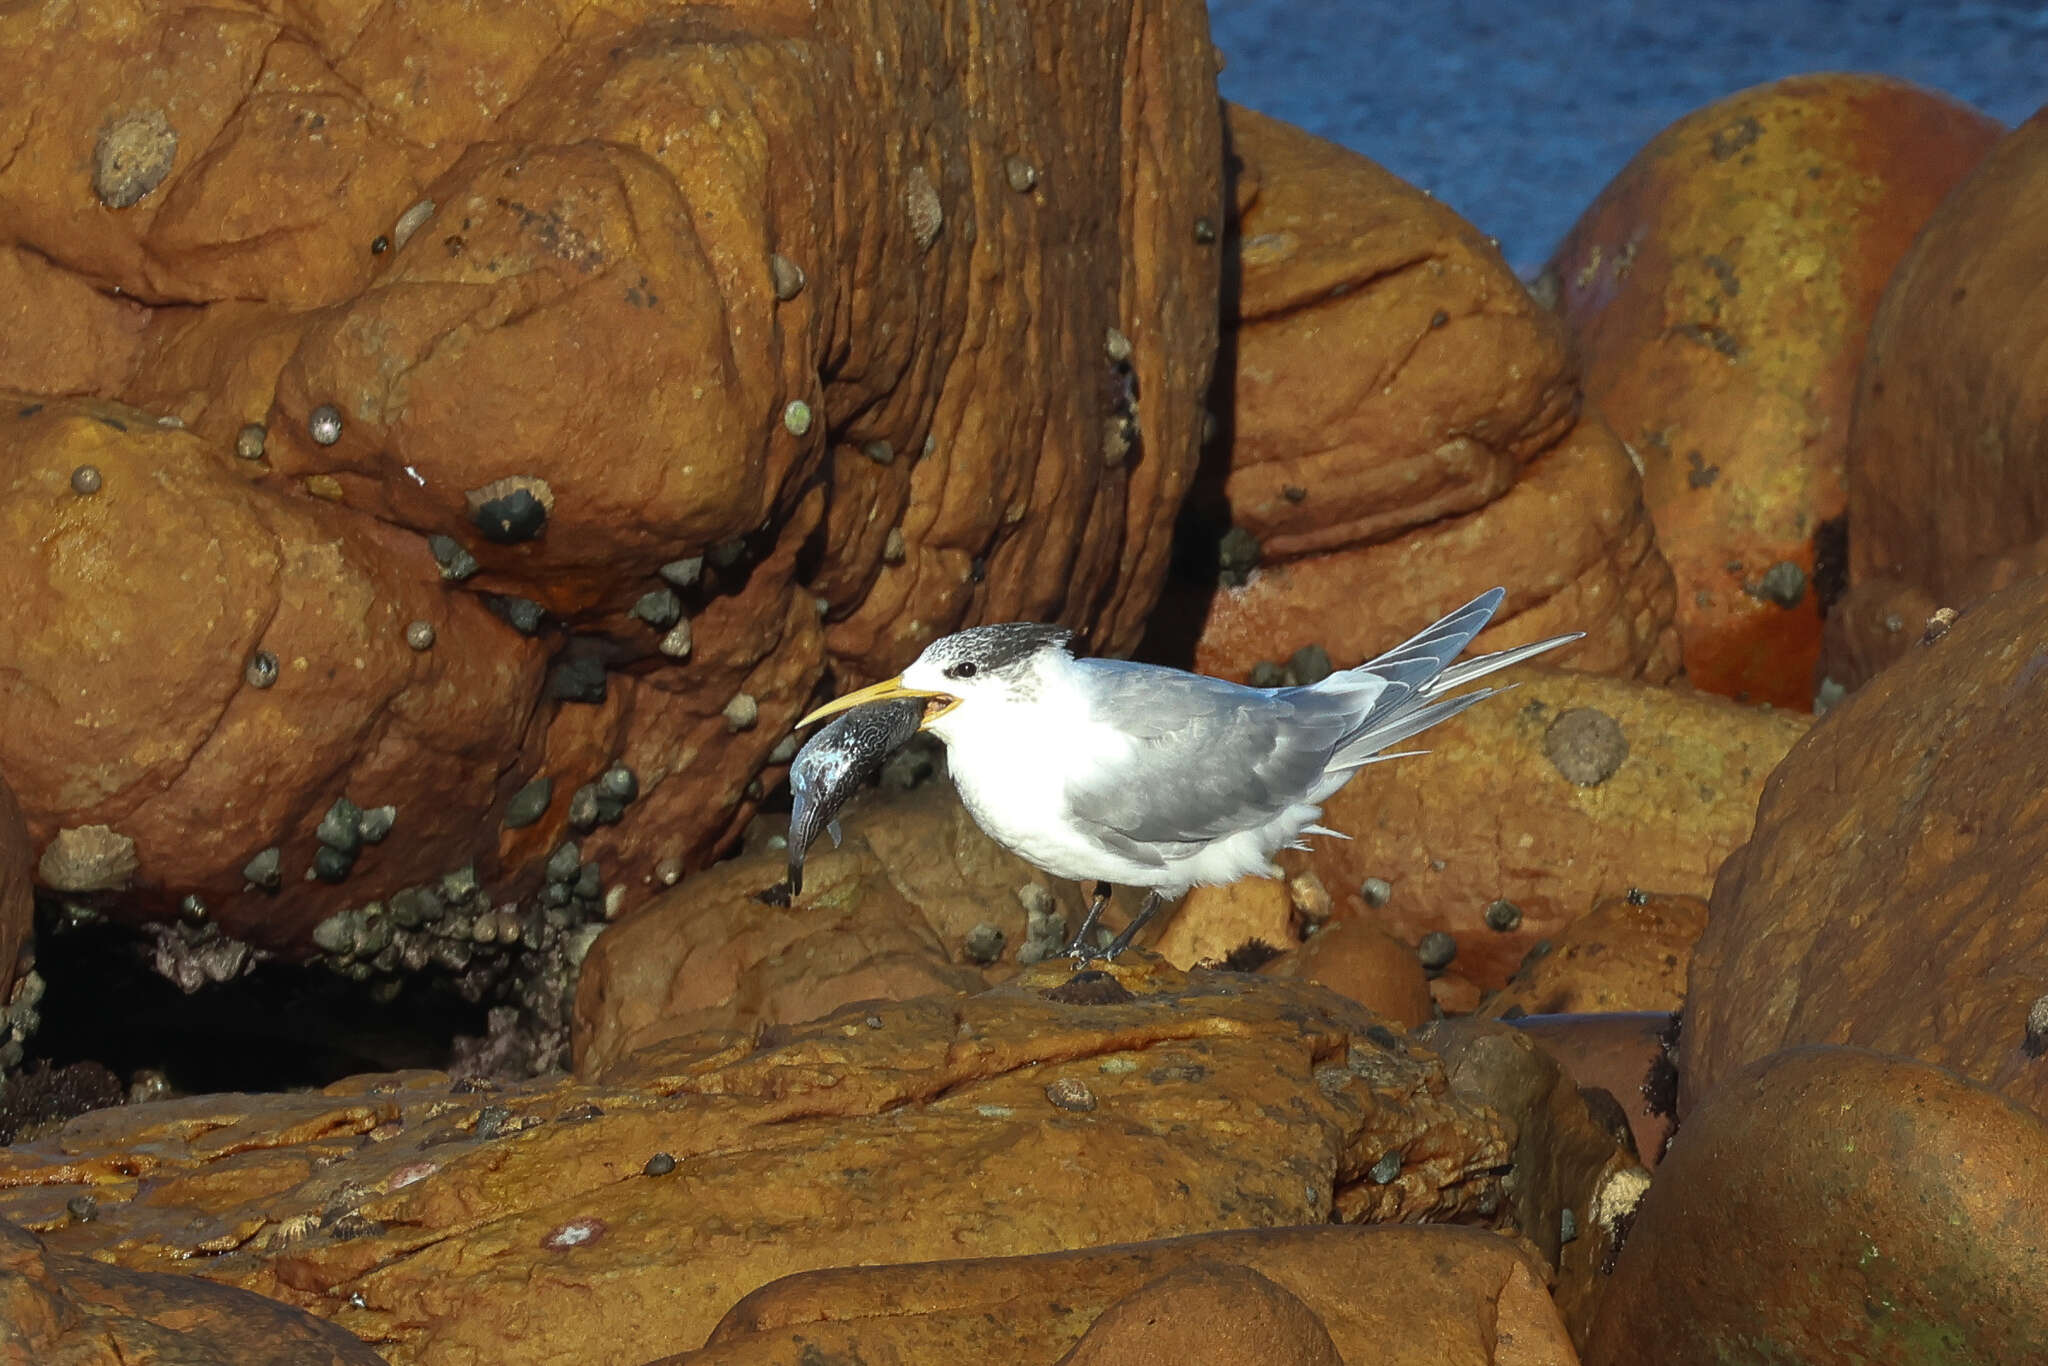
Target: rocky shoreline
x,y
443,456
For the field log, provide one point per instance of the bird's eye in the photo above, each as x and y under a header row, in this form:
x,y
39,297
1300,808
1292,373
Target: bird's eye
x,y
966,668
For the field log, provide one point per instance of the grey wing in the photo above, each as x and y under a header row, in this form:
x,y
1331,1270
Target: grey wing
x,y
1205,757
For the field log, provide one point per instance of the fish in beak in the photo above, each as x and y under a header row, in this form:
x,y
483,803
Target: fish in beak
x,y
937,704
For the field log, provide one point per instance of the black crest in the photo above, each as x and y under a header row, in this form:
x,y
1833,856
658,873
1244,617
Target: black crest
x,y
998,647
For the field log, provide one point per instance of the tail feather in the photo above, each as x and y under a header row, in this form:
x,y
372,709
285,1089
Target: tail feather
x,y
1411,679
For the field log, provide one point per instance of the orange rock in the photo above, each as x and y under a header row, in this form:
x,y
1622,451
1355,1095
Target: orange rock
x,y
1356,958
234,652
1570,541
887,916
1627,1055
59,335
1626,954
1940,503
1891,895
446,1224
584,285
1231,1316
1569,790
1835,1206
1957,497
1721,289
1392,383
17,885
1575,1182
189,156
1440,1296
74,1311
1450,377
1210,922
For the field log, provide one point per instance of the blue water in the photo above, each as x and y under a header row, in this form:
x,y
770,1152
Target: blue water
x,y
1517,115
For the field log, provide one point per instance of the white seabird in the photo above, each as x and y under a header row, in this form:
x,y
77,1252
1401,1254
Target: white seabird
x,y
1117,773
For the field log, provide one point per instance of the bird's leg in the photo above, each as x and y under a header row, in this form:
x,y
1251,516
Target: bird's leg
x,y
1079,947
1148,908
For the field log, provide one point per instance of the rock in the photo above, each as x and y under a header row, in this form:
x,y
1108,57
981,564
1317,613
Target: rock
x,y
1395,390
1223,1100
610,203
1487,815
1338,257
1224,1315
1940,500
1570,541
1574,1182
886,916
647,315
17,885
110,767
1631,1056
1211,922
1439,1295
1629,953
1720,289
1834,1206
1356,958
59,335
1890,897
79,1312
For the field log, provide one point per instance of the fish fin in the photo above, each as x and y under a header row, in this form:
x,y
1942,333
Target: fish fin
x,y
832,829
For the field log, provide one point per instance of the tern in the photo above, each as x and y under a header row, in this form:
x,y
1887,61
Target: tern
x,y
1116,773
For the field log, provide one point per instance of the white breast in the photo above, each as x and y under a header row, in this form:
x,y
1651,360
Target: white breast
x,y
1012,762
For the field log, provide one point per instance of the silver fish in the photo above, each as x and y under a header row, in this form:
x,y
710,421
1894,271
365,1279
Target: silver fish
x,y
834,763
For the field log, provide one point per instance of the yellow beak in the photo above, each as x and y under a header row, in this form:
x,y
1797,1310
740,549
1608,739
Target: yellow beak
x,y
883,691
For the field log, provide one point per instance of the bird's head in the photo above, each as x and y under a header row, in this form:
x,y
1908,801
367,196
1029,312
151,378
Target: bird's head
x,y
975,669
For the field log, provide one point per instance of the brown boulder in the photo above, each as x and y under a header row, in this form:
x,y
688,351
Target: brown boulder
x,y
1393,1296
454,1224
1891,895
1629,953
886,916
1570,790
1630,1056
73,1311
1721,288
1945,498
17,885
582,299
1450,376
230,650
1570,541
1833,1207
1220,1315
1575,1181
59,335
1354,957
1404,432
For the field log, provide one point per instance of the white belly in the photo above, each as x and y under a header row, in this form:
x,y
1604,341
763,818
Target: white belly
x,y
1013,781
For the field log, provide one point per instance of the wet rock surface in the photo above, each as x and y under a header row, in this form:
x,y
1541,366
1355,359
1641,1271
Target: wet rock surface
x,y
1833,1205
440,1223
1891,896
1441,1296
1720,290
1490,815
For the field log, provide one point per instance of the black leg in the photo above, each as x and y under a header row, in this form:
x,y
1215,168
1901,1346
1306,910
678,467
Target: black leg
x,y
1146,910
1079,947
